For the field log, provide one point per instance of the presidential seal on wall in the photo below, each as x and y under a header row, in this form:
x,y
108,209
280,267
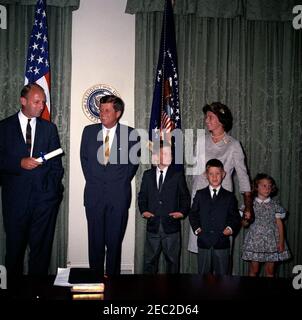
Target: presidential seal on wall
x,y
92,98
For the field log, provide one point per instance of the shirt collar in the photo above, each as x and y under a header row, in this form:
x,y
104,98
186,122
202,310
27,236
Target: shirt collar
x,y
225,140
263,201
113,128
164,170
23,118
217,189
111,132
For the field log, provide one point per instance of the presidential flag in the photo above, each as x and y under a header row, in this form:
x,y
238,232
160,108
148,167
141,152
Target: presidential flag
x,y
165,112
37,63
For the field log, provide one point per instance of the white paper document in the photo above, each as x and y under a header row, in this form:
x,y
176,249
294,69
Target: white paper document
x,y
63,277
50,155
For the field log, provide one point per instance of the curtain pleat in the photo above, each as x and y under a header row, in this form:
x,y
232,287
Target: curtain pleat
x,y
268,10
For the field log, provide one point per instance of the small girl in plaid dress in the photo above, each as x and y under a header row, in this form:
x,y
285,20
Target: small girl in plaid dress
x,y
264,241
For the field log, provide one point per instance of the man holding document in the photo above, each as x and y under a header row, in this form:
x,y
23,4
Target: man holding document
x,y
31,189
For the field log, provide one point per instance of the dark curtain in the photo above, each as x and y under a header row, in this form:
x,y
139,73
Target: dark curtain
x,y
247,55
13,50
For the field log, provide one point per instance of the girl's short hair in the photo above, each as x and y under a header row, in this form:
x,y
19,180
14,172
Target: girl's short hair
x,y
261,176
223,113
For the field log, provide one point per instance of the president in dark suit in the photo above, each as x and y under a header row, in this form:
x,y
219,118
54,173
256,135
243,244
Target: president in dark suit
x,y
31,192
109,158
214,217
163,200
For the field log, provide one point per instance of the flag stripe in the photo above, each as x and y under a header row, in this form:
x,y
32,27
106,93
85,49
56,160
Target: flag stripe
x,y
37,63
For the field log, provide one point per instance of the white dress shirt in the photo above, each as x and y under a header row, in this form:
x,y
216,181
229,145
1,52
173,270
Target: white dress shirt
x,y
164,170
111,134
212,190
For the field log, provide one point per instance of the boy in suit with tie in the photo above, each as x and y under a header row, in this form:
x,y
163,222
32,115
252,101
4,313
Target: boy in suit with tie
x,y
214,217
163,200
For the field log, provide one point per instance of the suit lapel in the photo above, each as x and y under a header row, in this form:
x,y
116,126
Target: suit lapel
x,y
220,194
99,143
99,131
208,194
19,136
115,146
116,138
168,176
154,182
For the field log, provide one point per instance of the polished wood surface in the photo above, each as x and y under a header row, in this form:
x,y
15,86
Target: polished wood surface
x,y
183,296
145,288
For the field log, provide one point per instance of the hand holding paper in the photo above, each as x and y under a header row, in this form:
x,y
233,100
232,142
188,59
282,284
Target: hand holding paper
x,y
50,155
29,163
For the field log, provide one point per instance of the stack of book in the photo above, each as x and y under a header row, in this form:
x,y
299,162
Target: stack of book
x,y
87,284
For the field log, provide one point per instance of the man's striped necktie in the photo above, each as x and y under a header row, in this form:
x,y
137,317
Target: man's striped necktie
x,y
28,136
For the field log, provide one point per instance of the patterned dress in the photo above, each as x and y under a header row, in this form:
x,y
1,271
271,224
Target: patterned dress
x,y
262,237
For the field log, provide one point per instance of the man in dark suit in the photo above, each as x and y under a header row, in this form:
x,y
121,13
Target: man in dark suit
x,y
163,200
31,191
214,217
109,158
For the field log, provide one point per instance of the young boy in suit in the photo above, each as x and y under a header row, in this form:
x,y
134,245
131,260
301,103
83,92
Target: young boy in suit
x,y
163,200
214,217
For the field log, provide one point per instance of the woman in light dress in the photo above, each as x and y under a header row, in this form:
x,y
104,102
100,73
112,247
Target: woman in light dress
x,y
218,144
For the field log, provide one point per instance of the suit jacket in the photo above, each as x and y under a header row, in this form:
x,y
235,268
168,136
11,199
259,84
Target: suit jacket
x,y
111,182
213,217
174,196
42,184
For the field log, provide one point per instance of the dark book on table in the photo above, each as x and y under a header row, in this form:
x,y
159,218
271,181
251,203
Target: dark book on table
x,y
84,275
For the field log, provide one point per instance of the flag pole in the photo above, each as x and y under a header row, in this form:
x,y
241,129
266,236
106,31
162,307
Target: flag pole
x,y
163,68
165,110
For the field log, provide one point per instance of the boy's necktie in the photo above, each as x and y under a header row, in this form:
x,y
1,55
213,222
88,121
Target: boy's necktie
x,y
28,136
214,194
160,181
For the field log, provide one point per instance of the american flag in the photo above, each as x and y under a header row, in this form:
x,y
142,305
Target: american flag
x,y
37,63
165,112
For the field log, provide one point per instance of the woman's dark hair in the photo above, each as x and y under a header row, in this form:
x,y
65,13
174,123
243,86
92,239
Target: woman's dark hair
x,y
222,112
261,176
